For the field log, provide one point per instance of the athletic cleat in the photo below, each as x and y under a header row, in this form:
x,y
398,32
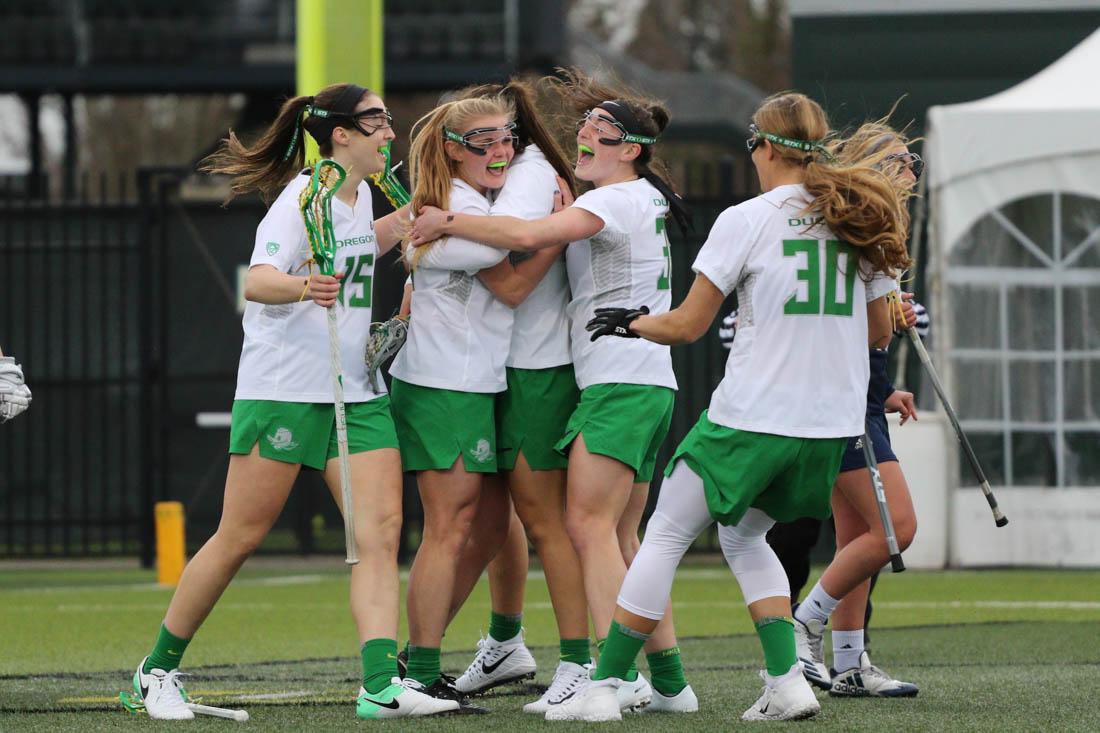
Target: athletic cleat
x,y
444,689
867,680
400,700
497,663
595,701
633,696
684,701
568,678
160,693
790,699
809,644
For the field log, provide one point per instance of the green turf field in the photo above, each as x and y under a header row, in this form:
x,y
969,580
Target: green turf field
x,y
993,651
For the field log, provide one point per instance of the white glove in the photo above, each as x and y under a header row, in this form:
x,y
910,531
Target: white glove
x,y
15,396
728,329
924,322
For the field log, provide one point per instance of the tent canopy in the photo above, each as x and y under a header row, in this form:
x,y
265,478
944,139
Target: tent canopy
x,y
1041,135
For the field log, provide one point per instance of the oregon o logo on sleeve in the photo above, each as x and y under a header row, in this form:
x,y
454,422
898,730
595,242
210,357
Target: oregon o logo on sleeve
x,y
272,248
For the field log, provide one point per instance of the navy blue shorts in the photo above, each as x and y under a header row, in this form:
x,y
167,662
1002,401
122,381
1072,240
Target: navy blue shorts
x,y
880,441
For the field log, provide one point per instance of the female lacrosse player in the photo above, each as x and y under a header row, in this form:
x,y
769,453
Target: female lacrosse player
x,y
15,396
770,445
842,591
283,415
626,394
531,416
453,362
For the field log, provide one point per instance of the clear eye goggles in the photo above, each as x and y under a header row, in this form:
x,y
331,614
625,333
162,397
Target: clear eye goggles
x,y
913,161
611,132
482,139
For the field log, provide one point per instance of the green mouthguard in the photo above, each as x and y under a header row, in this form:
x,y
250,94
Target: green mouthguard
x,y
585,149
499,164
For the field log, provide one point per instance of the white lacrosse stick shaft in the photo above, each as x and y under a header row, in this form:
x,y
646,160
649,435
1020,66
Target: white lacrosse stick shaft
x,y
351,550
240,716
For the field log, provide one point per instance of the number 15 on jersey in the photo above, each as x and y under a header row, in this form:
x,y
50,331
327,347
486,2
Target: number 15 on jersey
x,y
838,276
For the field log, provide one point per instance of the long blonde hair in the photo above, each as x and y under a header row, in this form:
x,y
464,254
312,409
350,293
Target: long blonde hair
x,y
430,169
860,203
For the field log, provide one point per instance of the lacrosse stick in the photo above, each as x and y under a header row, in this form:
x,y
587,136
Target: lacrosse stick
x,y
883,510
389,184
136,706
385,340
999,518
315,203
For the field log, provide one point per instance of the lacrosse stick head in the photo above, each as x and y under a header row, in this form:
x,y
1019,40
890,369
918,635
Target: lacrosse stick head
x,y
389,184
315,203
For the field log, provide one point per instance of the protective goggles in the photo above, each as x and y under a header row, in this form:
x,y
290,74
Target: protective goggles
x,y
912,160
479,141
611,132
368,122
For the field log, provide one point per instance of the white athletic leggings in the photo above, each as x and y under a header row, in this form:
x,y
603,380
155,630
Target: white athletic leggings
x,y
681,515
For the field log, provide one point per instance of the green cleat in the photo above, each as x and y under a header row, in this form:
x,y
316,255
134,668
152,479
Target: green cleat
x,y
400,701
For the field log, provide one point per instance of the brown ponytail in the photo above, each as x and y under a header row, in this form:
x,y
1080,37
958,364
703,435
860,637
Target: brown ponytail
x,y
580,93
268,164
860,203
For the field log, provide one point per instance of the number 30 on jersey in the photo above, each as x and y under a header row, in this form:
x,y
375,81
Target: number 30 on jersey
x,y
841,262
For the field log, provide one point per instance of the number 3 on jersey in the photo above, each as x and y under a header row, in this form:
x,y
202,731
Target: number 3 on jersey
x,y
835,270
353,273
664,281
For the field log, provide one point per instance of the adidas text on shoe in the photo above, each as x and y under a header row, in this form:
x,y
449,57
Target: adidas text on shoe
x,y
497,663
867,680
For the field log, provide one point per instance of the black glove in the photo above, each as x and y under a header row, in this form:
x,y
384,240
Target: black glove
x,y
614,322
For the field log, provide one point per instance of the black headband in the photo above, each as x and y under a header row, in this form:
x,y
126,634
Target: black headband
x,y
321,122
624,115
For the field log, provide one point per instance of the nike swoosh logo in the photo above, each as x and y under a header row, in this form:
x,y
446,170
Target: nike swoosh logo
x,y
392,705
490,668
764,710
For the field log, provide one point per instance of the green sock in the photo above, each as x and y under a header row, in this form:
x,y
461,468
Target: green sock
x,y
503,627
379,663
667,671
424,664
167,652
777,637
576,651
618,653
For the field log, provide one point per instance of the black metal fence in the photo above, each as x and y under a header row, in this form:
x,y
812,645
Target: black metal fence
x,y
122,305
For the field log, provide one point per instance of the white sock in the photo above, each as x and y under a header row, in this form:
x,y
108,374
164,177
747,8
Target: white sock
x,y
817,605
847,648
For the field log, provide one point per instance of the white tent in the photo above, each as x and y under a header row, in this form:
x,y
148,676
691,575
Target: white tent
x,y
1015,276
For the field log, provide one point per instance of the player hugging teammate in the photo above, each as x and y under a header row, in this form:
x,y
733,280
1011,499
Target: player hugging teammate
x,y
508,402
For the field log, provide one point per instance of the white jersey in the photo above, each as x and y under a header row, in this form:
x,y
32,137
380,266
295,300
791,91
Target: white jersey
x,y
798,366
286,347
540,333
627,264
459,334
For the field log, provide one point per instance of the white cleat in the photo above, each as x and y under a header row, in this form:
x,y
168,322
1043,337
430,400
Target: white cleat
x,y
594,702
497,663
162,694
568,678
867,680
684,701
809,645
634,696
791,698
400,700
